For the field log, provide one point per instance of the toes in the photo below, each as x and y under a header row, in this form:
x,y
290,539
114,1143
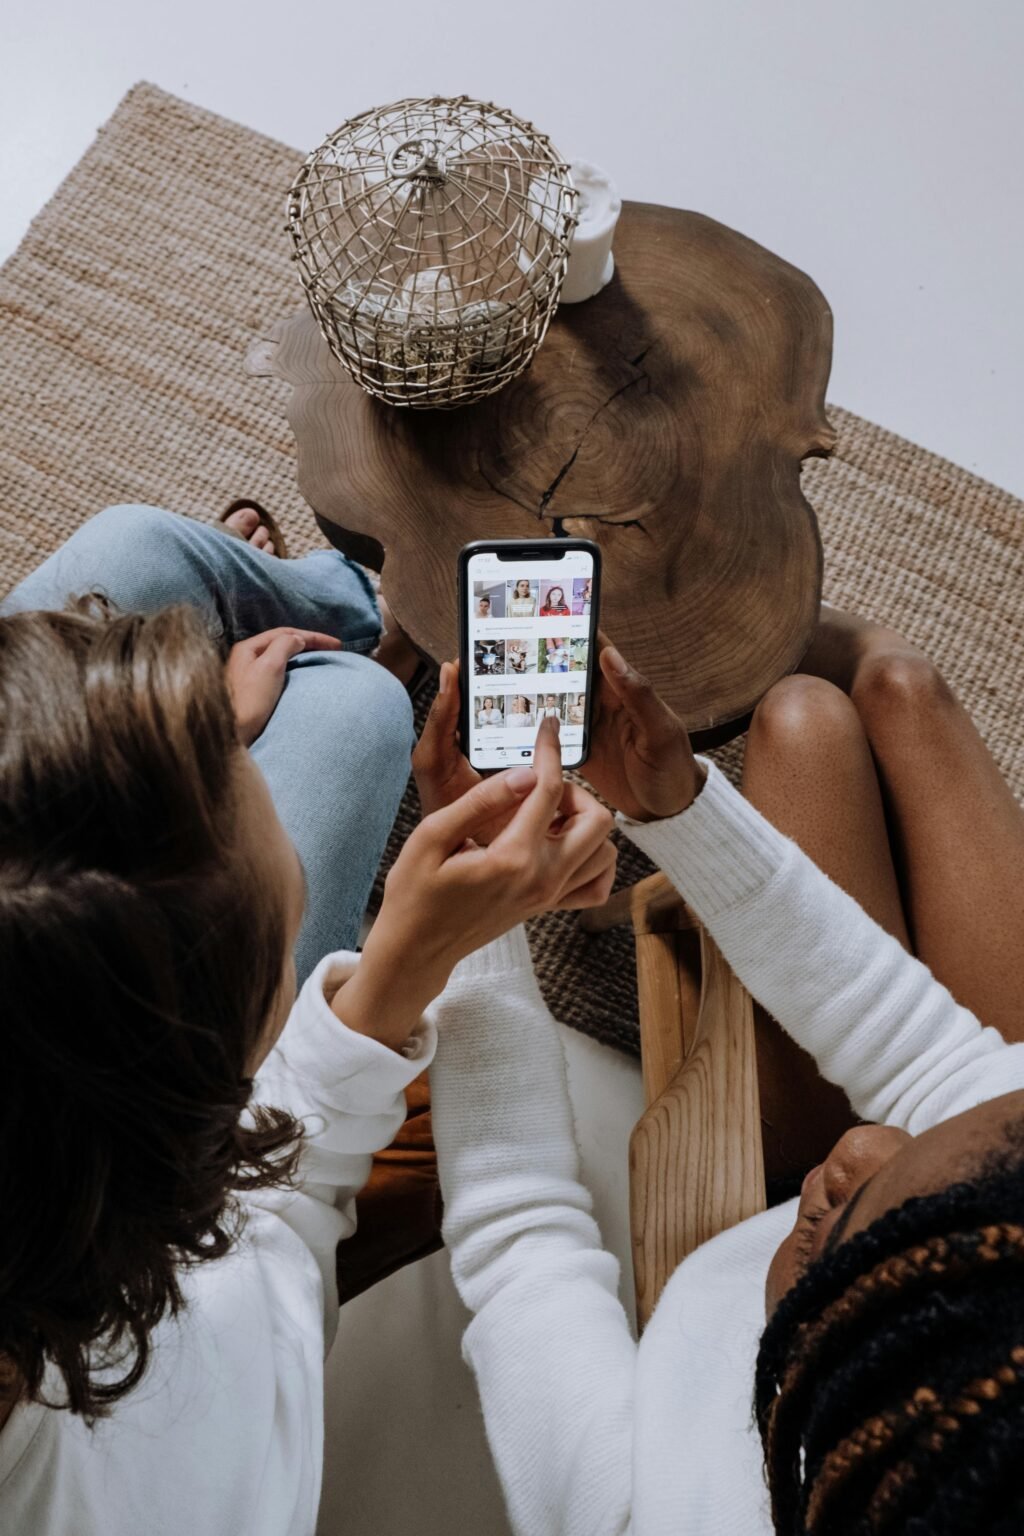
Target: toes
x,y
260,539
246,521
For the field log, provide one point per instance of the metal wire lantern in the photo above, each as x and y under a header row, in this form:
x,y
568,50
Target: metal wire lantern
x,y
432,238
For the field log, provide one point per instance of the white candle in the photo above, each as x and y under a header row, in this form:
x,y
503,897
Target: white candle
x,y
591,263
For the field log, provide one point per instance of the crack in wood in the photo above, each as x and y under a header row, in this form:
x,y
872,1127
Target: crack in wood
x,y
546,496
541,510
556,482
608,522
507,495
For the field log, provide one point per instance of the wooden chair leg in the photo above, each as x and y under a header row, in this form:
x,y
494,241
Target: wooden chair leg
x,y
696,1164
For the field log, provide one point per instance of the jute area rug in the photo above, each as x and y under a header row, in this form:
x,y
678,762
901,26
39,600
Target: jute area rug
x,y
124,320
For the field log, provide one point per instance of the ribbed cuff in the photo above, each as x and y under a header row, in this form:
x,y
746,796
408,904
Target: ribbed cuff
x,y
319,1044
718,852
509,953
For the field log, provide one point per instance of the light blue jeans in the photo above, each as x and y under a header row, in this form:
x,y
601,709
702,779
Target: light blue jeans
x,y
336,751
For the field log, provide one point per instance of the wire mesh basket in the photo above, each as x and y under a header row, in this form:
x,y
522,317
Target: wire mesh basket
x,y
431,238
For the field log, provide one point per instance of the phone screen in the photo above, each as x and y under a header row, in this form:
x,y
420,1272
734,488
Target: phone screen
x,y
529,635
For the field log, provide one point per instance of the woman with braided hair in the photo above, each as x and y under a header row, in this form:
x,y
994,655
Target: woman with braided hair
x,y
890,1379
866,888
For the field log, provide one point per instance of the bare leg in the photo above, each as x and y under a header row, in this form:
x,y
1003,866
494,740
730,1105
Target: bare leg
x,y
809,770
397,653
957,832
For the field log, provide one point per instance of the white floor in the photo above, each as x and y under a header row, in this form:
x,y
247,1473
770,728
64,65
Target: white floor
x,y
875,145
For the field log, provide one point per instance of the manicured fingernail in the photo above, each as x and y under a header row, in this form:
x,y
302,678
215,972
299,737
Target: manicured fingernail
x,y
616,661
442,686
520,780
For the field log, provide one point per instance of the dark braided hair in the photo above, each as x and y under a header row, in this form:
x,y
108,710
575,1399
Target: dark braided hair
x,y
890,1380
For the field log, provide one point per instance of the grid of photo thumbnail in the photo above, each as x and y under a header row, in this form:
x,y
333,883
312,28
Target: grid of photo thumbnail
x,y
549,655
524,597
530,649
514,711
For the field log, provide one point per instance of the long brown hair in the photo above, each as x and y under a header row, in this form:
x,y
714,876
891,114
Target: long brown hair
x,y
140,960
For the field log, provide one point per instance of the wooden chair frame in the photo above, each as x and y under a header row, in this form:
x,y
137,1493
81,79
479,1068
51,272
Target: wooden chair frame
x,y
695,1156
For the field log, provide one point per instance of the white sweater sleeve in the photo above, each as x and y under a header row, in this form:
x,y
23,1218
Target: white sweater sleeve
x,y
549,1344
875,1019
348,1091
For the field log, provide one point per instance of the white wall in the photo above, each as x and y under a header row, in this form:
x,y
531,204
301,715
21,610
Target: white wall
x,y
876,145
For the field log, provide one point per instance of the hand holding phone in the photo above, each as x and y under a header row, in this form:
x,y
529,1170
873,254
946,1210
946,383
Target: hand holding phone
x,y
441,768
641,760
442,771
479,863
528,625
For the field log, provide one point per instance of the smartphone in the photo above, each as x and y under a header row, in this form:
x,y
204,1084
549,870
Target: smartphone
x,y
528,646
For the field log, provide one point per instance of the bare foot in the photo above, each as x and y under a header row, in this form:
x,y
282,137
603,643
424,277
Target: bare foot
x,y
246,521
397,653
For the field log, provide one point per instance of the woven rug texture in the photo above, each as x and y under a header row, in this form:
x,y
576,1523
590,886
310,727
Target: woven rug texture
x,y
125,316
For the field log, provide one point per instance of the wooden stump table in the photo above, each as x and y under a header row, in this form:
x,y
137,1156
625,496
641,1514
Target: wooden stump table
x,y
666,418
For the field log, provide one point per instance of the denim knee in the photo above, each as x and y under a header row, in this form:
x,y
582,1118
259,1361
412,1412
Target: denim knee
x,y
125,526
136,555
140,555
123,518
360,707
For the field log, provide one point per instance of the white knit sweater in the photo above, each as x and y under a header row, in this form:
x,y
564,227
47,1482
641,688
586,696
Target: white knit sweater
x,y
593,1435
224,1435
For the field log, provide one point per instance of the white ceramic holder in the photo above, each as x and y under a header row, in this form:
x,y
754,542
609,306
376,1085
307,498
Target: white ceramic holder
x,y
591,263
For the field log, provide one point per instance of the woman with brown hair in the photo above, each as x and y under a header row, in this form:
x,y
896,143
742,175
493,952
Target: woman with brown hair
x,y
522,600
181,1136
554,604
576,712
520,709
